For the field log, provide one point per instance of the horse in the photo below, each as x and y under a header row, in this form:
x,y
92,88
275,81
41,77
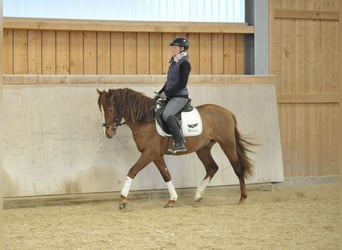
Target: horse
x,y
135,109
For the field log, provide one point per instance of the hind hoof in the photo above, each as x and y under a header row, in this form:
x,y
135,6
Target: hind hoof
x,y
241,201
170,204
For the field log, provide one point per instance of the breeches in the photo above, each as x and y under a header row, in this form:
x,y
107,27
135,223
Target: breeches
x,y
173,106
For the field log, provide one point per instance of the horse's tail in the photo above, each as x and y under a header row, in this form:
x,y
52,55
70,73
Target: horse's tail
x,y
243,148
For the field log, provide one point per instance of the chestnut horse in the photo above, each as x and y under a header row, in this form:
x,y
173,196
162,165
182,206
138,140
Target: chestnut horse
x,y
219,126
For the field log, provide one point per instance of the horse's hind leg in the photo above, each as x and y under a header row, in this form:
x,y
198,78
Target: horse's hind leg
x,y
210,166
231,153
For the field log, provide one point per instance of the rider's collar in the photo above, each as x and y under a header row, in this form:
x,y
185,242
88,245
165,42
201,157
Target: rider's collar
x,y
179,56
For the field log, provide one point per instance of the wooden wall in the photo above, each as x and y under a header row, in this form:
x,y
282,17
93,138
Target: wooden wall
x,y
303,56
2,246
80,47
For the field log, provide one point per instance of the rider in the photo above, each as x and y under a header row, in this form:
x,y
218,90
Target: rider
x,y
175,89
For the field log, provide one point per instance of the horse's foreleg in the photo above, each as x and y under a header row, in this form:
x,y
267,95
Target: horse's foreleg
x,y
161,165
124,192
210,166
137,167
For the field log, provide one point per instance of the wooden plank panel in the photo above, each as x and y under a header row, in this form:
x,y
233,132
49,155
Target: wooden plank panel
x,y
48,52
217,54
299,138
8,51
34,52
288,56
314,153
205,56
130,51
229,54
315,76
329,148
63,52
194,53
329,48
125,26
299,51
20,52
143,53
166,51
180,34
103,53
70,49
284,125
275,43
293,124
76,53
117,53
2,134
156,49
307,56
220,80
240,54
320,155
307,14
309,98
90,53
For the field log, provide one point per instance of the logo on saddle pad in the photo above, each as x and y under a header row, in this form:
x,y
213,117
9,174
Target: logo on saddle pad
x,y
191,124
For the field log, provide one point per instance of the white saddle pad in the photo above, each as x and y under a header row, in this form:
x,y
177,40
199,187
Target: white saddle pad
x,y
191,124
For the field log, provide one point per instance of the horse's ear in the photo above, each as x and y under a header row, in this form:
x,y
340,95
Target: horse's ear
x,y
99,91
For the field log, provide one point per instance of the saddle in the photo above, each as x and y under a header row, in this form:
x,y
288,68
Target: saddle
x,y
189,119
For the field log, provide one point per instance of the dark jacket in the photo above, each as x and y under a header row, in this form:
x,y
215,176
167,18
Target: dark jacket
x,y
177,78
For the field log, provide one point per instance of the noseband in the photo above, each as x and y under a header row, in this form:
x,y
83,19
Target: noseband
x,y
116,122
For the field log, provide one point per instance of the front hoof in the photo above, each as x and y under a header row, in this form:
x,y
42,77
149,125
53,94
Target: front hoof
x,y
122,206
170,204
122,203
198,199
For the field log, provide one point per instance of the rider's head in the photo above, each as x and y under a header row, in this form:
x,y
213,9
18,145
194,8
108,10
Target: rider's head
x,y
180,44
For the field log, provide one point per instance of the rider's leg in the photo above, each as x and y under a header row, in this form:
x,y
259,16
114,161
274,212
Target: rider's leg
x,y
173,106
175,129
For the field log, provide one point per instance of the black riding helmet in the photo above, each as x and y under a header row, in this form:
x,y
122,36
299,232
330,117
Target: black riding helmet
x,y
181,42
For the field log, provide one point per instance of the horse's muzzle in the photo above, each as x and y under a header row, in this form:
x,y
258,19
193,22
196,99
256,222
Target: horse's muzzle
x,y
110,132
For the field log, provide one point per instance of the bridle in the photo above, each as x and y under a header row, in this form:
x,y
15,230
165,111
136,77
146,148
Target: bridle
x,y
108,124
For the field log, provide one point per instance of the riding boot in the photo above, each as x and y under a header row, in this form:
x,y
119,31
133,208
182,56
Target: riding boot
x,y
175,129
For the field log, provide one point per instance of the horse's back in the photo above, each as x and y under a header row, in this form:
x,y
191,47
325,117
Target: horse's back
x,y
217,119
214,109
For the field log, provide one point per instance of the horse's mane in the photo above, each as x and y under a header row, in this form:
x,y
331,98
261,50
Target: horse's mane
x,y
133,106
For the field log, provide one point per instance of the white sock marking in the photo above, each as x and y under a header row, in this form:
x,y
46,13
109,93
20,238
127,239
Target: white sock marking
x,y
201,188
126,187
172,191
104,120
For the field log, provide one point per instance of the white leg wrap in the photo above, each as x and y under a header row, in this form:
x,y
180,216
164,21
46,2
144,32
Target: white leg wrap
x,y
201,188
172,191
127,186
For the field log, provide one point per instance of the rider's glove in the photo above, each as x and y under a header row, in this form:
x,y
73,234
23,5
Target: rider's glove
x,y
162,95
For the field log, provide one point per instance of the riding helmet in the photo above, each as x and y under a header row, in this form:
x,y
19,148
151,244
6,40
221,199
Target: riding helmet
x,y
181,42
